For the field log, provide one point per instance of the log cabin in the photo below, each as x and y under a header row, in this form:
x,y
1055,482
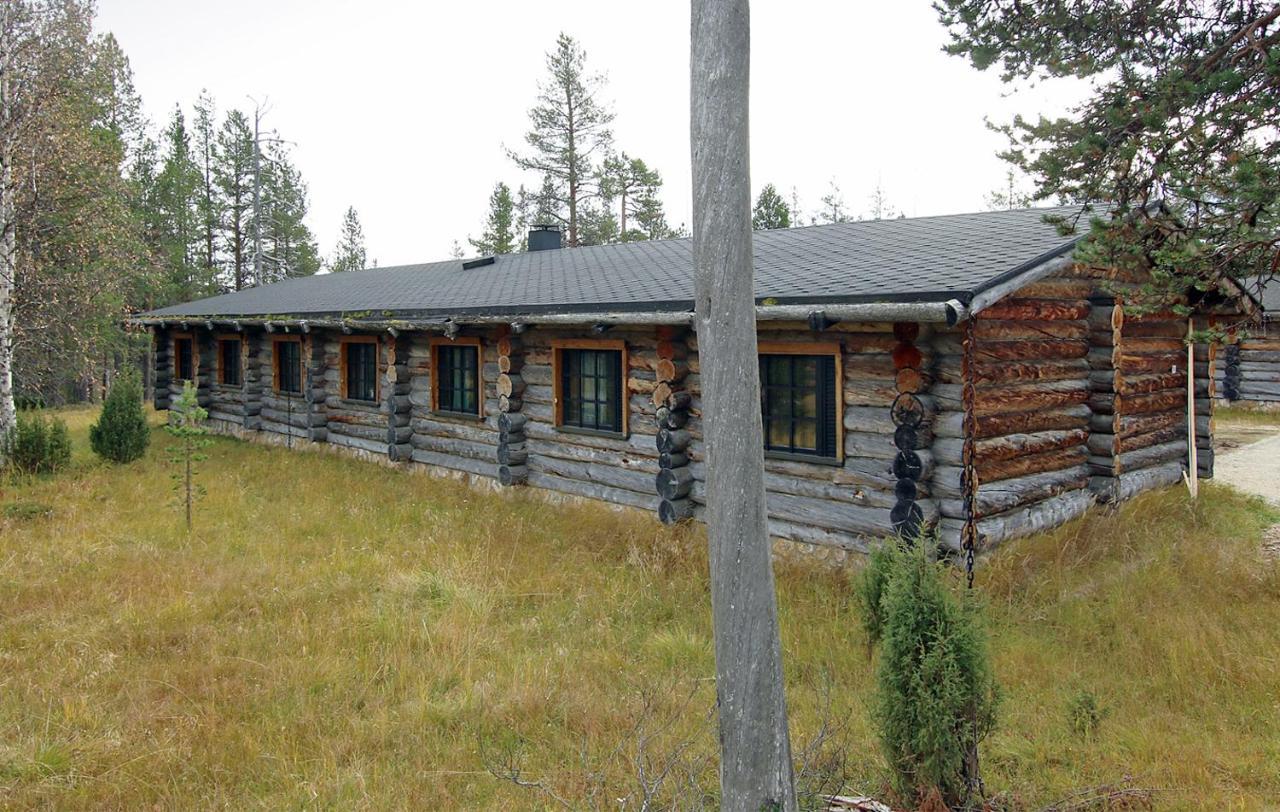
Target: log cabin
x,y
1249,368
956,375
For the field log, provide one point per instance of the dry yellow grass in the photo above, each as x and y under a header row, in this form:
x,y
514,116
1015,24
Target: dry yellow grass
x,y
337,634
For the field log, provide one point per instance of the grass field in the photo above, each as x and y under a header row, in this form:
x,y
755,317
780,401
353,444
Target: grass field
x,y
337,634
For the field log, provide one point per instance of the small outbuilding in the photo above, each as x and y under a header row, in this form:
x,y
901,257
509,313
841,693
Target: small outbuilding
x,y
957,374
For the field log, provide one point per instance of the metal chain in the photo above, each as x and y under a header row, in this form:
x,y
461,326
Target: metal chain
x,y
968,478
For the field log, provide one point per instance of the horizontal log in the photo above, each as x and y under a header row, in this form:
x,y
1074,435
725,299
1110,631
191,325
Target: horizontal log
x,y
1021,350
1144,384
1252,356
1015,397
471,465
837,516
1057,288
300,418
1056,459
1035,518
994,498
949,450
1149,456
950,369
455,447
1138,328
951,424
1161,401
1025,309
1008,330
592,490
372,446
1135,482
602,473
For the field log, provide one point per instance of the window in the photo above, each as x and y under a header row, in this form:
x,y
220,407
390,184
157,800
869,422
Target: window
x,y
800,400
183,359
229,361
589,392
360,368
456,376
288,364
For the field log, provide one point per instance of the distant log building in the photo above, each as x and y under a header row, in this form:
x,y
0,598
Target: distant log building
x,y
936,374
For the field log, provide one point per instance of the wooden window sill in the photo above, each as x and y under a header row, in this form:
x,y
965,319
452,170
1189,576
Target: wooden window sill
x,y
615,435
791,456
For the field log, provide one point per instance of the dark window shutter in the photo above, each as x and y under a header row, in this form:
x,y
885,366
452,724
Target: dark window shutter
x,y
827,416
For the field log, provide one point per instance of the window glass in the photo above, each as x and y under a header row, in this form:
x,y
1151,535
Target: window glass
x,y
362,370
288,366
591,389
182,361
798,402
229,361
458,379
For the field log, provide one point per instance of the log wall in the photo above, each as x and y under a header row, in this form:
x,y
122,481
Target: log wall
x,y
358,424
1027,416
162,346
296,415
1139,438
852,503
622,470
1252,372
458,443
226,402
1051,397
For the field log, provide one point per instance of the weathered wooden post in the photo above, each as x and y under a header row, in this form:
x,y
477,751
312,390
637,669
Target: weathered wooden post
x,y
755,750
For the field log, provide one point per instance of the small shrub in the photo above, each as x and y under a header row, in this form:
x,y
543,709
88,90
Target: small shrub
x,y
37,445
935,695
27,511
121,433
1084,714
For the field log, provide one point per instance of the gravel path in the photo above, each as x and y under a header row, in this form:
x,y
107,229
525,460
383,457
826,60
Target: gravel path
x,y
1253,468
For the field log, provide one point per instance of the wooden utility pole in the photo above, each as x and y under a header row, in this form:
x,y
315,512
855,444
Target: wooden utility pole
x,y
755,748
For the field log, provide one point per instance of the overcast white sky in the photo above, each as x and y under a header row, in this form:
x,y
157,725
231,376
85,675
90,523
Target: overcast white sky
x,y
402,108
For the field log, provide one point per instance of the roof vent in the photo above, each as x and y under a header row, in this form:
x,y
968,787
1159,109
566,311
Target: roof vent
x,y
544,238
477,263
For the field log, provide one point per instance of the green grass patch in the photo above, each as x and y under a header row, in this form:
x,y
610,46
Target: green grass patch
x,y
339,634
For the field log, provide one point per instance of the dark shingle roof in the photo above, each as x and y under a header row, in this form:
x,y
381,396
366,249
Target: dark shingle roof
x,y
916,259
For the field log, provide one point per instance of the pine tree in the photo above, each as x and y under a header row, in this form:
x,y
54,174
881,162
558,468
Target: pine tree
x,y
498,237
187,426
1008,197
121,433
770,210
797,216
209,204
833,207
524,210
233,174
349,254
881,208
289,248
637,188
177,203
569,126
1181,110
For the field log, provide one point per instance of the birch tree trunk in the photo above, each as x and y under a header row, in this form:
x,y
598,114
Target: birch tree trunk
x,y
8,212
755,748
